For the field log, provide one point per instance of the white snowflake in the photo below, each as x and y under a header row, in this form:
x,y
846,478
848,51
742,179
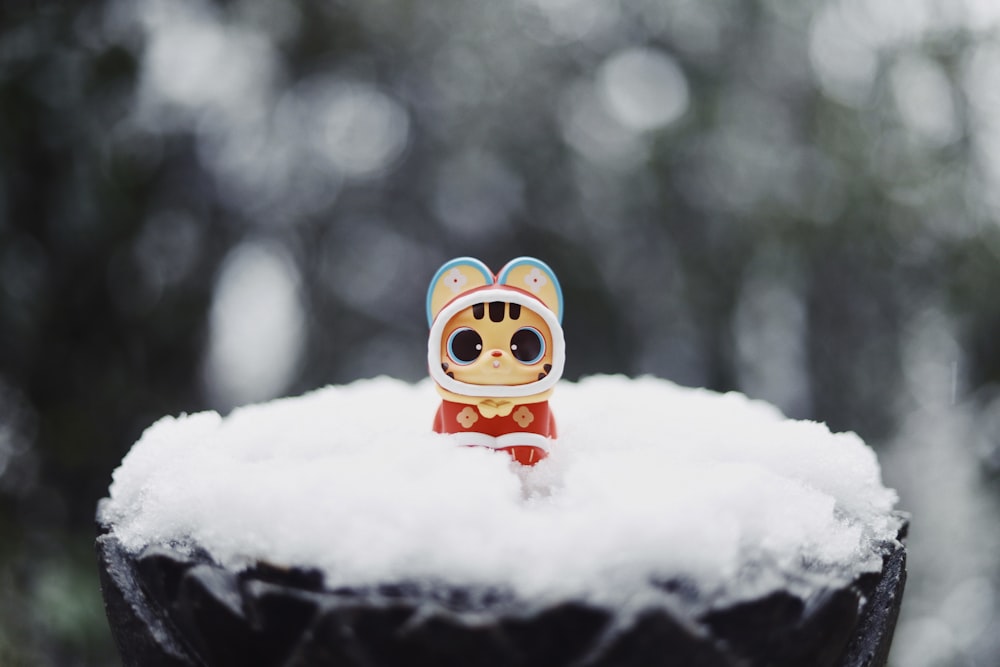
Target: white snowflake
x,y
535,280
455,280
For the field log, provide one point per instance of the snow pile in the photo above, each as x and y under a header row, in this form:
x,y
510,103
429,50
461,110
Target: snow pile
x,y
649,482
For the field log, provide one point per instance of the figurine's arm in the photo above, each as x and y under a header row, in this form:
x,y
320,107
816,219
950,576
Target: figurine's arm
x,y
439,419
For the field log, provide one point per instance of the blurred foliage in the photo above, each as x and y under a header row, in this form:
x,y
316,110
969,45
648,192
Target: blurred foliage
x,y
203,204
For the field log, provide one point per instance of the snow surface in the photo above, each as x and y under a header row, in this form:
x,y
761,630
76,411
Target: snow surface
x,y
649,482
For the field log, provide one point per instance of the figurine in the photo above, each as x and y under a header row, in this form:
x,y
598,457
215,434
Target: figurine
x,y
495,351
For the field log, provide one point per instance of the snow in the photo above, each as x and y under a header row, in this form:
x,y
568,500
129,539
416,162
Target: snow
x,y
649,482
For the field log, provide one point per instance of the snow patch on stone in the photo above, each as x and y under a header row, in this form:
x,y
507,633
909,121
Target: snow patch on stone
x,y
649,482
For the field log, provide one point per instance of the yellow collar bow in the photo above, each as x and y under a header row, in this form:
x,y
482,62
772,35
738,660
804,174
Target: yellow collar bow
x,y
490,408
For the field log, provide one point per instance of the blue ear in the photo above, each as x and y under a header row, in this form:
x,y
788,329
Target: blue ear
x,y
454,277
534,276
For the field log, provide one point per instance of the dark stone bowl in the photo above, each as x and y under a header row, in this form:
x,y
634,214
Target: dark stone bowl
x,y
168,608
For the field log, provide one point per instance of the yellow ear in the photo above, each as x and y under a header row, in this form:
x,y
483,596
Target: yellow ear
x,y
534,276
453,278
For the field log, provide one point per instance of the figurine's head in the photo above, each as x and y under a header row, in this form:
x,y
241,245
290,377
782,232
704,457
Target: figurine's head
x,y
495,335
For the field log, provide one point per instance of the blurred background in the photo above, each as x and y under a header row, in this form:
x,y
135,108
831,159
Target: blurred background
x,y
204,204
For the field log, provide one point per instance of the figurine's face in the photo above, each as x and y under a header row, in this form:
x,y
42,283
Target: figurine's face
x,y
496,343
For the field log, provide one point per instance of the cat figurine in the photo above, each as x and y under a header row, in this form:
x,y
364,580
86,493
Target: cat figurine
x,y
495,351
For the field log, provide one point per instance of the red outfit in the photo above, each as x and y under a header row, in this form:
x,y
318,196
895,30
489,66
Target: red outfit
x,y
522,430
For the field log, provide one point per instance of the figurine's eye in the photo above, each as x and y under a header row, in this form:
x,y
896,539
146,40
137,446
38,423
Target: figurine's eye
x,y
527,345
464,345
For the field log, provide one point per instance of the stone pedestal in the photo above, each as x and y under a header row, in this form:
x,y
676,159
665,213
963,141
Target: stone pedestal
x,y
174,609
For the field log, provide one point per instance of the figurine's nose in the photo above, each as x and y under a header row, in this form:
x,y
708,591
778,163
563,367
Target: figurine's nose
x,y
496,353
